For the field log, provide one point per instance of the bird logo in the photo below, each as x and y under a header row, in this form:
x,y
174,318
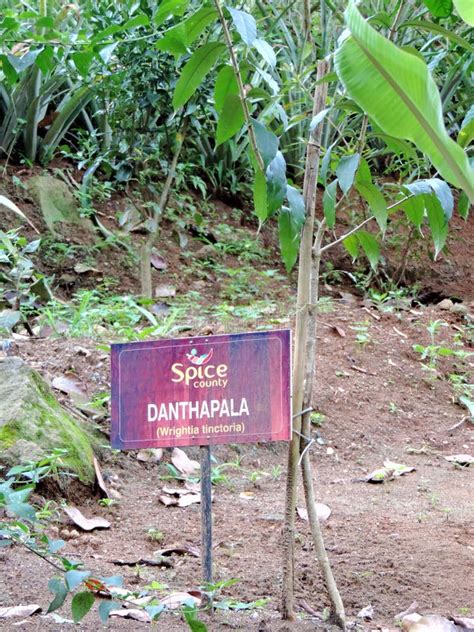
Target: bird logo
x,y
199,359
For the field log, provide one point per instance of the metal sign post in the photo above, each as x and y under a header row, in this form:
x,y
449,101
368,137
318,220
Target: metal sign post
x,y
206,514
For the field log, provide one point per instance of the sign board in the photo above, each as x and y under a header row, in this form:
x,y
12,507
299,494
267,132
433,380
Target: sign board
x,y
201,391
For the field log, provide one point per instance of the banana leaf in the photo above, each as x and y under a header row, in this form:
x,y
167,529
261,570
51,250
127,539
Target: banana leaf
x,y
397,91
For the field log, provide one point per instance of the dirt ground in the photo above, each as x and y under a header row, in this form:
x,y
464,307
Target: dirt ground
x,y
390,544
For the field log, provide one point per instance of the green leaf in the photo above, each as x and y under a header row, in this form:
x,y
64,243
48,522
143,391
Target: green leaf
x,y
194,72
437,221
22,510
346,170
155,611
168,8
60,591
266,51
45,22
466,133
267,142
289,238
177,39
138,20
82,60
370,246
76,102
325,162
55,545
415,210
276,183
463,206
45,60
190,614
351,244
431,27
329,203
245,25
376,202
230,119
225,84
439,188
198,22
174,41
296,206
440,8
81,604
105,607
8,69
316,120
465,10
75,578
260,195
407,103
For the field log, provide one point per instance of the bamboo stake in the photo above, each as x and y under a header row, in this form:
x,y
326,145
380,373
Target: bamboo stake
x,y
301,338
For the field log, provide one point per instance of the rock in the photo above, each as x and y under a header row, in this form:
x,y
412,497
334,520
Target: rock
x,y
57,204
206,252
446,304
459,308
33,423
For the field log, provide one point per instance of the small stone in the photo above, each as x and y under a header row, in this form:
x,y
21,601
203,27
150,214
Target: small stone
x,y
446,304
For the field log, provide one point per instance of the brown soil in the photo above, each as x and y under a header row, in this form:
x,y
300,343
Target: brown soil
x,y
409,539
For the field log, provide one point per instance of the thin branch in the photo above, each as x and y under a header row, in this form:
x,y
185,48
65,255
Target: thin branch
x,y
361,225
240,84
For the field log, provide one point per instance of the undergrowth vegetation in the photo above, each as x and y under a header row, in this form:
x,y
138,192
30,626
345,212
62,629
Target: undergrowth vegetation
x,y
323,124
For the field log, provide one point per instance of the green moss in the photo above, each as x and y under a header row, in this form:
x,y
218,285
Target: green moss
x,y
45,424
9,435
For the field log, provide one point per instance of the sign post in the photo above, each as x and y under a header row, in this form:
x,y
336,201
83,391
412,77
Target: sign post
x,y
206,514
202,391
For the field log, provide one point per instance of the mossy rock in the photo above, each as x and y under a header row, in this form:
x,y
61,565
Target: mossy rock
x,y
33,423
58,205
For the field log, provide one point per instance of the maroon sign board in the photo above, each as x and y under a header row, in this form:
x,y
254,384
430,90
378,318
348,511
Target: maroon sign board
x,y
202,391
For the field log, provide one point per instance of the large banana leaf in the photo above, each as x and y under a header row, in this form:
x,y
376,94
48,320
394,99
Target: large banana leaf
x,y
465,8
396,90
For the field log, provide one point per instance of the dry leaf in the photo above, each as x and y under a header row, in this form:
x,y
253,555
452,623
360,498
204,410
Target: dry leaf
x,y
162,561
183,463
193,487
165,291
464,622
86,524
167,500
427,623
389,471
131,613
412,608
339,330
366,613
176,491
179,550
82,268
177,599
100,478
19,611
189,499
68,385
460,459
150,455
247,495
322,510
158,262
